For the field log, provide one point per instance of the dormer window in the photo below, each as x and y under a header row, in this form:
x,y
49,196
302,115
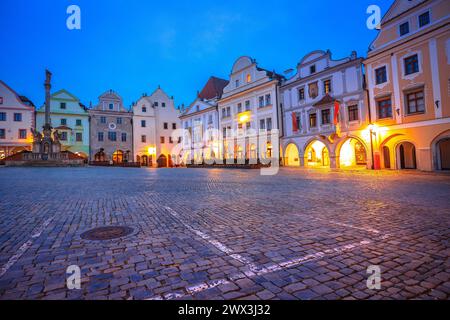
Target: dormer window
x,y
312,69
249,78
62,105
424,19
237,83
111,106
404,28
197,108
144,109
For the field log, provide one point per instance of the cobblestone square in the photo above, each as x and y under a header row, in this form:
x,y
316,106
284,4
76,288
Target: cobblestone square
x,y
224,234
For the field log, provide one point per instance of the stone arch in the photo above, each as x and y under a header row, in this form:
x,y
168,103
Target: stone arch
x,y
387,151
440,147
292,155
317,153
405,154
358,149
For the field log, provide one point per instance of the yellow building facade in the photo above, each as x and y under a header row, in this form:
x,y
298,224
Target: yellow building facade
x,y
408,83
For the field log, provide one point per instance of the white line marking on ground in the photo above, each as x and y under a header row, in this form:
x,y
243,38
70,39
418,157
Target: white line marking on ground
x,y
253,269
217,244
24,247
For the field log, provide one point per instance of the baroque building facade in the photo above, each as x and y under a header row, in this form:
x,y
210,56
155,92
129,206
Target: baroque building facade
x,y
200,122
71,119
111,130
408,76
17,118
324,113
155,119
249,103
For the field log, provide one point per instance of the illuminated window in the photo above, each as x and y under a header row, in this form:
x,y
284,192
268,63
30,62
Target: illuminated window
x,y
327,86
312,120
249,78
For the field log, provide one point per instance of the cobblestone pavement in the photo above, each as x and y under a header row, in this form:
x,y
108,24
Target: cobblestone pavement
x,y
224,234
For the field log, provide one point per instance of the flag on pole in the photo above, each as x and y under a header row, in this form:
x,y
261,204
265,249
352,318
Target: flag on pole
x,y
336,112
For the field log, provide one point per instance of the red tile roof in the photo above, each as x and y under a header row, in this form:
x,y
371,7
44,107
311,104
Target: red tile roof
x,y
213,88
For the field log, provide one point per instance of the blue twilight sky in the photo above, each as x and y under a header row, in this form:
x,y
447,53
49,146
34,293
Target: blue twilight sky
x,y
133,46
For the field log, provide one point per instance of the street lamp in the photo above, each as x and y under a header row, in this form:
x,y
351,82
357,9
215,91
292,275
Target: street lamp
x,y
372,131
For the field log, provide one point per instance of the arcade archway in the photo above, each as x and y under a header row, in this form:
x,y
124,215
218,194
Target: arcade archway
x,y
352,153
291,156
317,154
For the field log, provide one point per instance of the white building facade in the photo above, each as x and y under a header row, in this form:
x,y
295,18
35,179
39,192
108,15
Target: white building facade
x,y
200,122
249,103
155,119
324,113
16,120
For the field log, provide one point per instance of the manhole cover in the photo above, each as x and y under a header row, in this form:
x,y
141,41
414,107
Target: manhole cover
x,y
106,233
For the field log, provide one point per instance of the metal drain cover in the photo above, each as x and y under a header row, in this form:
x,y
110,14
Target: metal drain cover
x,y
106,233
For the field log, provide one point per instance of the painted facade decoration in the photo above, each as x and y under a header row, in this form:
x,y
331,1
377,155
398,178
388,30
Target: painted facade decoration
x,y
408,72
16,121
324,113
111,131
155,119
71,119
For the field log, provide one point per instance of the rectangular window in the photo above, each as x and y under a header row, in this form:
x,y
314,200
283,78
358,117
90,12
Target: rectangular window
x,y
111,106
404,28
239,107
380,75
143,124
119,120
248,125
2,116
162,140
112,136
268,100
22,133
100,136
1,100
301,94
247,105
384,108
224,113
102,119
155,104
210,119
17,117
415,102
411,64
62,105
312,69
144,109
174,125
166,125
143,138
326,116
424,19
224,132
261,102
262,124
78,122
163,104
170,140
228,111
236,83
79,137
124,137
63,122
313,120
269,124
63,136
327,86
2,134
353,114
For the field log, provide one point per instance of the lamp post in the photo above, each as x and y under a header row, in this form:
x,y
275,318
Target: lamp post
x,y
372,133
